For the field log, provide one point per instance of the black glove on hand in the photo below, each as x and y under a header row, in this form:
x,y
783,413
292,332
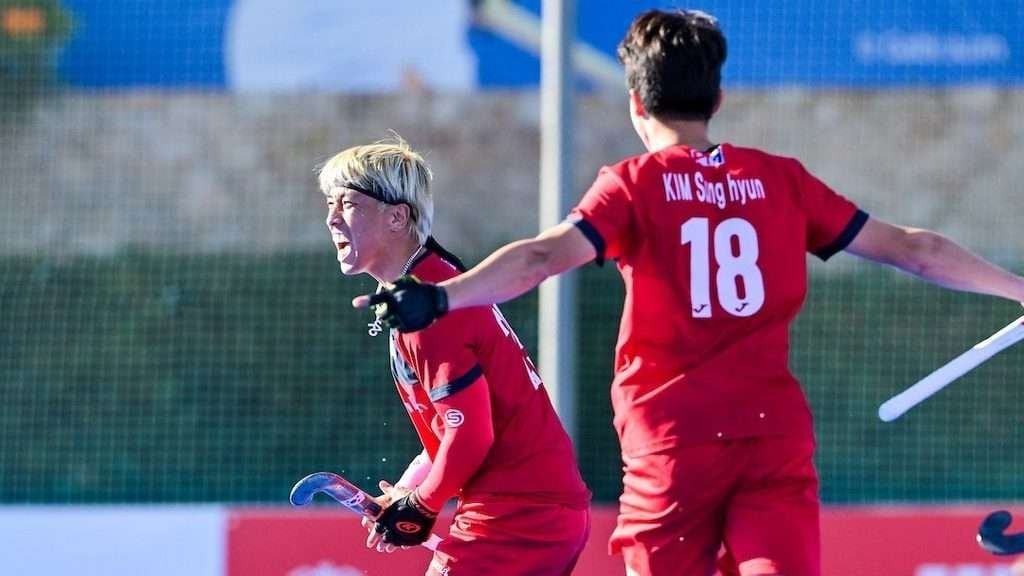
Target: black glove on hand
x,y
406,522
410,305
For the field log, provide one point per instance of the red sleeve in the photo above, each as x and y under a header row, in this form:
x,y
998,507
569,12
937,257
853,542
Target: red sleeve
x,y
443,354
605,215
444,357
467,438
832,220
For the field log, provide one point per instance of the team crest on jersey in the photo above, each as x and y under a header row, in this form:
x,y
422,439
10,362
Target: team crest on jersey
x,y
454,418
713,160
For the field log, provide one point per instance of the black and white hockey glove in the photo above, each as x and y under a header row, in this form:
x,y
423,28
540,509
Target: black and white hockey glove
x,y
406,522
410,305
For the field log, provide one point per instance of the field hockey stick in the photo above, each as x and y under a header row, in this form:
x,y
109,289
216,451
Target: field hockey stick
x,y
896,406
992,535
345,493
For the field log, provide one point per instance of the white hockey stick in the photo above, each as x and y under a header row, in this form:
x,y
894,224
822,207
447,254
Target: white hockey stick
x,y
345,493
896,406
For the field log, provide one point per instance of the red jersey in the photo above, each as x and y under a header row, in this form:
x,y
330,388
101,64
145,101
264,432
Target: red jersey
x,y
532,456
712,249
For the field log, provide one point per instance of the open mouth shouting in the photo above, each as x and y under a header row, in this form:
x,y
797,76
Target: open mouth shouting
x,y
342,244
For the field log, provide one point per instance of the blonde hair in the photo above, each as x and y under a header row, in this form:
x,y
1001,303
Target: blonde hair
x,y
388,170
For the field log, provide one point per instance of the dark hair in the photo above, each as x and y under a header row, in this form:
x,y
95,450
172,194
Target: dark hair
x,y
674,63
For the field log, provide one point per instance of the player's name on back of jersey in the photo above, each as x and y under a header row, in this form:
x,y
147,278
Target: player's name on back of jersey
x,y
695,187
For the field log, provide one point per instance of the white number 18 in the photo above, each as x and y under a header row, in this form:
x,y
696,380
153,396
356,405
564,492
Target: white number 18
x,y
742,265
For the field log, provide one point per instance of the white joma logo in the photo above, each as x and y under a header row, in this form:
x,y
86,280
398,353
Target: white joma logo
x,y
454,418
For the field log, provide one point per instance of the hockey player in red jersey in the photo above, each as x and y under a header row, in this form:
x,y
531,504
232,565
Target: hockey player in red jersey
x,y
488,429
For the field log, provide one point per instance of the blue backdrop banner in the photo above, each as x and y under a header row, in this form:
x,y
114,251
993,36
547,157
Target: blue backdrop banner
x,y
360,46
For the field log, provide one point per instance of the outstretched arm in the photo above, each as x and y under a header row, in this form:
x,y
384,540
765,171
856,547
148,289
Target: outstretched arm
x,y
520,266
510,271
934,258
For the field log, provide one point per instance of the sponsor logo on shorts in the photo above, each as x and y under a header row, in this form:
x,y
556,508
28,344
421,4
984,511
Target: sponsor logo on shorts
x,y
453,418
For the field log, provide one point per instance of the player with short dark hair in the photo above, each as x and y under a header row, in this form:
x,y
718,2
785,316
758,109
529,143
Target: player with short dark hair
x,y
711,241
489,432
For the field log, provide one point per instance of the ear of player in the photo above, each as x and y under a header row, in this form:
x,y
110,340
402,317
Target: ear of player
x,y
406,522
410,305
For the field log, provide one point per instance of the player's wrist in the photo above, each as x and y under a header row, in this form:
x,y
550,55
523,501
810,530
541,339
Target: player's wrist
x,y
415,472
417,503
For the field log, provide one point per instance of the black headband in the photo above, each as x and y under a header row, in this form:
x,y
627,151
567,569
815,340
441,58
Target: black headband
x,y
380,197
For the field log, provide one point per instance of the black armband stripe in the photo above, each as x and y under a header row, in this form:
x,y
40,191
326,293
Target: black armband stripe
x,y
593,236
460,383
843,240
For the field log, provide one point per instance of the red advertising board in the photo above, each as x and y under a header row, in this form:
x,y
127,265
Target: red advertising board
x,y
318,542
877,541
909,541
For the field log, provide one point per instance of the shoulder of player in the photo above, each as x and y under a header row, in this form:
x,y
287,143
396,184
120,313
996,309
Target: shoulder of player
x,y
747,154
628,169
449,337
433,268
628,172
463,327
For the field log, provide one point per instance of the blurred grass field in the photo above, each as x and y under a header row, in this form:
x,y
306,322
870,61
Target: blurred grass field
x,y
148,377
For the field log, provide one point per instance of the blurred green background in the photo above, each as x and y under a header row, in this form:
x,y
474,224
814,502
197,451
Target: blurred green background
x,y
173,326
223,378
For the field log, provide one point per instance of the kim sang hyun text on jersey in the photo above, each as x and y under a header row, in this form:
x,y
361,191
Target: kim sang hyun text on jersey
x,y
694,186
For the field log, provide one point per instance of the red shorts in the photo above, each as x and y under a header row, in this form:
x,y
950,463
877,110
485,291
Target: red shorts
x,y
512,537
748,505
